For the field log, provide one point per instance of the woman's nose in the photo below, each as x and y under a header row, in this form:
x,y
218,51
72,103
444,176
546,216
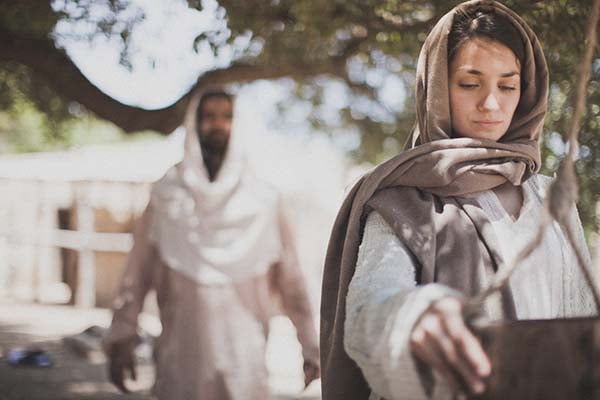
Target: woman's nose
x,y
489,102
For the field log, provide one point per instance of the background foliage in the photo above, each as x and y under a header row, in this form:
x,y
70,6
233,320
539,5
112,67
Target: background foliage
x,y
352,62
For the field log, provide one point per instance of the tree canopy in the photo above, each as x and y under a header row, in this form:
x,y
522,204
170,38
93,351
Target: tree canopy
x,y
358,44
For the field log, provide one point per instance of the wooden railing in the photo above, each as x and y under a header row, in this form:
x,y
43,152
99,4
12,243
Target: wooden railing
x,y
85,240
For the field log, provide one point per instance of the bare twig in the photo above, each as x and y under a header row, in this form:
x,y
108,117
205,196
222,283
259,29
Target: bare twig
x,y
563,190
503,276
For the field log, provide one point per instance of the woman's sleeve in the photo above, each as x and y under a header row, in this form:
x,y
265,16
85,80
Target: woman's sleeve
x,y
383,304
135,284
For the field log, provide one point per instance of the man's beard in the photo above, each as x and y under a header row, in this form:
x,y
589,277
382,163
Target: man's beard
x,y
215,142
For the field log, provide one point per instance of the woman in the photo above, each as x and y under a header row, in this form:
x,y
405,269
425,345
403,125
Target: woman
x,y
435,223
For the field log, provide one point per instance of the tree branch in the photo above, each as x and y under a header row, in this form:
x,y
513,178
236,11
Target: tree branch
x,y
59,72
243,72
54,67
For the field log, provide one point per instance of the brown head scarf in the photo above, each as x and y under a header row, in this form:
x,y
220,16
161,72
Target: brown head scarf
x,y
414,192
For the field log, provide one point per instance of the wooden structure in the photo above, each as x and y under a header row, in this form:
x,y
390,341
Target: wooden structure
x,y
67,219
86,250
543,359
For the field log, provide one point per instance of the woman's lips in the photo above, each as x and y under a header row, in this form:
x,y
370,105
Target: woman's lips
x,y
488,123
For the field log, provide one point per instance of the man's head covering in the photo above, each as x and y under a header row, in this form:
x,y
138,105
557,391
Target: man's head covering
x,y
220,231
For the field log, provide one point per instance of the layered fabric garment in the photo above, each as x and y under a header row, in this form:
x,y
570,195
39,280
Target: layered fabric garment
x,y
219,255
215,232
385,301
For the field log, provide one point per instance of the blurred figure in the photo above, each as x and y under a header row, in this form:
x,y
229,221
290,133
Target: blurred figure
x,y
214,245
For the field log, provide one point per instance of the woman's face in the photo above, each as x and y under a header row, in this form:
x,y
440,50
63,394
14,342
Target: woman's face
x,y
485,87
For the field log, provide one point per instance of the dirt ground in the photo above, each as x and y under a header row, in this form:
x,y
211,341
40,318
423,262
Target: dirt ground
x,y
77,374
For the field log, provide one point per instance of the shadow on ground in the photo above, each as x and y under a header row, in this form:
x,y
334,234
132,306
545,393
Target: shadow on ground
x,y
70,377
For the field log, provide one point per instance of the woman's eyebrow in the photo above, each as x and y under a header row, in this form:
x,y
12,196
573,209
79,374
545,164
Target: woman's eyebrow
x,y
478,72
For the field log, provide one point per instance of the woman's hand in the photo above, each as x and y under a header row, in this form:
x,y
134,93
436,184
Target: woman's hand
x,y
442,340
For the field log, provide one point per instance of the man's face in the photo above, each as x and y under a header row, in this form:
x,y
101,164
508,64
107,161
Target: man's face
x,y
214,124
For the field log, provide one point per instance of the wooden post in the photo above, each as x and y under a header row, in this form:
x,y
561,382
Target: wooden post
x,y
86,279
4,267
37,249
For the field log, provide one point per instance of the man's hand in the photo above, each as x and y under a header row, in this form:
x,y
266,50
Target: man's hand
x,y
312,371
121,360
442,340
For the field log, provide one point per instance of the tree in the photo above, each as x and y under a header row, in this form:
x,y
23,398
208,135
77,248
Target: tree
x,y
356,43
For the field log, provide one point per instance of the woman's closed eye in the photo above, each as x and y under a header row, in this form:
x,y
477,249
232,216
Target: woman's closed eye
x,y
472,86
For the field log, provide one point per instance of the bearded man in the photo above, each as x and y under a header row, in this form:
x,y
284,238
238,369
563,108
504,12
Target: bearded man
x,y
214,245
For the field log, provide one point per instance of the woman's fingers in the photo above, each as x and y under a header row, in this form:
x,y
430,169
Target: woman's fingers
x,y
455,358
471,360
469,346
442,340
425,349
